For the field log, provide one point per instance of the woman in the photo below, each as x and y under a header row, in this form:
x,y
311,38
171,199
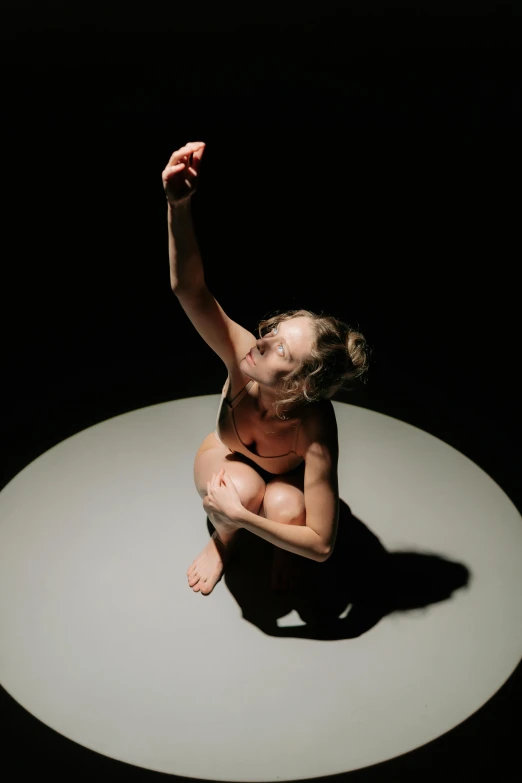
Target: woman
x,y
271,464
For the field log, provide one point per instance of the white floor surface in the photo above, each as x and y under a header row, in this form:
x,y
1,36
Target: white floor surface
x,y
104,641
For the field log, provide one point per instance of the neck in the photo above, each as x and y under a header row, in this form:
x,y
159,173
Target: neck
x,y
265,403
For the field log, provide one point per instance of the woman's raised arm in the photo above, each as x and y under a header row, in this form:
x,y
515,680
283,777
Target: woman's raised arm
x,y
179,182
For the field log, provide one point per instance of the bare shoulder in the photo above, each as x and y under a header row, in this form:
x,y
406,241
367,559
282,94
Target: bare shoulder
x,y
319,426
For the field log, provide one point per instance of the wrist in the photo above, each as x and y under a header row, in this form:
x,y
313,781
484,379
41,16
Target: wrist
x,y
239,517
181,208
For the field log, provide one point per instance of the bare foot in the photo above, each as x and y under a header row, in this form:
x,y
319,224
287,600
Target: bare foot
x,y
285,570
207,569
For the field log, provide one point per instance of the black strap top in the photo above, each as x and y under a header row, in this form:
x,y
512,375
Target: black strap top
x,y
226,431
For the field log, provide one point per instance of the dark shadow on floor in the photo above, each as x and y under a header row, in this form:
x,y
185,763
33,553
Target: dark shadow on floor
x,y
360,573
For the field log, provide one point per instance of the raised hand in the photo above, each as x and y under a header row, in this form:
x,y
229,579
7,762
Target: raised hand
x,y
181,173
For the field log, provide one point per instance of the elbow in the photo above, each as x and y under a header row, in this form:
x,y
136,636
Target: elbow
x,y
324,554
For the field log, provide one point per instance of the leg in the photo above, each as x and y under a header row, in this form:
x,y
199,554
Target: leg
x,y
284,502
207,569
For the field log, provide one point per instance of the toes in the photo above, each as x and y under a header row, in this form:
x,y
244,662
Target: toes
x,y
207,585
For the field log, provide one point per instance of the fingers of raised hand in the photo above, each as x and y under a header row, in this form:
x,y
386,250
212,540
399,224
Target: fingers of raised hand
x,y
194,148
170,170
180,154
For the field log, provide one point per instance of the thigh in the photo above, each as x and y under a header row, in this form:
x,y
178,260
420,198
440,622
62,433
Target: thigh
x,y
212,456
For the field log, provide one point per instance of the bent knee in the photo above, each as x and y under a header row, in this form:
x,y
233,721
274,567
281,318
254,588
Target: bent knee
x,y
249,484
284,506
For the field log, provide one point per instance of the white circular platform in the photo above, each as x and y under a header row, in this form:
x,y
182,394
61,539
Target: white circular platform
x,y
104,641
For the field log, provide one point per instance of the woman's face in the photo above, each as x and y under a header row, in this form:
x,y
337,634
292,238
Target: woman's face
x,y
279,352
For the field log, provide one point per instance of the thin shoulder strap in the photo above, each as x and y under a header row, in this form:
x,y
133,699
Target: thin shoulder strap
x,y
239,396
293,449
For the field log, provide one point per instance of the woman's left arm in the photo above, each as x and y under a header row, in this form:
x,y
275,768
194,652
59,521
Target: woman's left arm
x,y
321,485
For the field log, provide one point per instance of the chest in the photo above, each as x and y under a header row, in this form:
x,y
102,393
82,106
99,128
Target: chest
x,y
264,438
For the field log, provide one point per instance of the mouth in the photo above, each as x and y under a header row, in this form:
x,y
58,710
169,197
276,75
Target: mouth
x,y
249,357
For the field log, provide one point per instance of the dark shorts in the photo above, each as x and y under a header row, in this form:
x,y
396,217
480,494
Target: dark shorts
x,y
265,474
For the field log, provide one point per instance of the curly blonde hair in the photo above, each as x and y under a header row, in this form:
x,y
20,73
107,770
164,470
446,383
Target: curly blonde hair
x,y
338,359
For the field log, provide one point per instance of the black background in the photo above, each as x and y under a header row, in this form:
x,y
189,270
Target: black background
x,y
361,160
